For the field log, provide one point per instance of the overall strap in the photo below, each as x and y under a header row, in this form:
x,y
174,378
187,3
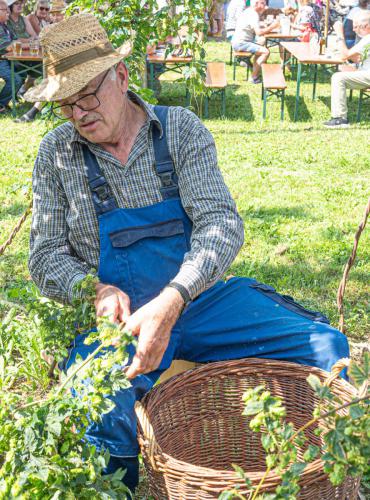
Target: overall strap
x,y
163,164
102,196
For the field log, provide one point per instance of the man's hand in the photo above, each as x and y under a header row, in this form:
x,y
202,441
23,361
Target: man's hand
x,y
112,302
153,324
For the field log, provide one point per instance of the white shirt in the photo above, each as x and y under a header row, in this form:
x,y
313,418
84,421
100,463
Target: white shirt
x,y
246,27
360,49
235,8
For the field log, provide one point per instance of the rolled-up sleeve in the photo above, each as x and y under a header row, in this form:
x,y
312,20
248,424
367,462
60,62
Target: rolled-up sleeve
x,y
218,230
53,264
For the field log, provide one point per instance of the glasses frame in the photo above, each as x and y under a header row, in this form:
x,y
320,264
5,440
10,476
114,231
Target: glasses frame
x,y
75,103
46,9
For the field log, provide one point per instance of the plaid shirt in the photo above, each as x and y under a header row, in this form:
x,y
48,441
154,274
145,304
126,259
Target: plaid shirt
x,y
65,233
6,38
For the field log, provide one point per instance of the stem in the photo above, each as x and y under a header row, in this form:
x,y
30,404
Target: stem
x,y
261,483
79,367
66,382
324,415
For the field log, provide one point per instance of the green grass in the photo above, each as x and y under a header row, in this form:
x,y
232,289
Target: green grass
x,y
300,188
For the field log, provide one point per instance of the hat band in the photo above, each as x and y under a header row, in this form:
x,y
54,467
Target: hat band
x,y
70,62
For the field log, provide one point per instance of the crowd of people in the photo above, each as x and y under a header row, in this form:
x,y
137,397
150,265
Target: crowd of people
x,y
244,23
15,26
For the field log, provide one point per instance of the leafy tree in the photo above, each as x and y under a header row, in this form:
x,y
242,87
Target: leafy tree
x,y
146,24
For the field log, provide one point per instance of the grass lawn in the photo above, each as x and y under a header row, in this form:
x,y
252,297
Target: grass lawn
x,y
300,188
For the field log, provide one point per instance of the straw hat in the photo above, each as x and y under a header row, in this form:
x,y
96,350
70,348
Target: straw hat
x,y
58,6
75,52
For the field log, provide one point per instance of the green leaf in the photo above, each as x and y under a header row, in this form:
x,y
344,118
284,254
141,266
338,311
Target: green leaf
x,y
356,411
311,453
314,382
360,374
253,408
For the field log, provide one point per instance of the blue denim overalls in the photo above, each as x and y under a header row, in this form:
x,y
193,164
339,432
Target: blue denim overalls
x,y
141,251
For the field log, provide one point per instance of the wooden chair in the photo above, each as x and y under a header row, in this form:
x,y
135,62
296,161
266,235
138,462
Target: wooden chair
x,y
241,56
216,81
274,84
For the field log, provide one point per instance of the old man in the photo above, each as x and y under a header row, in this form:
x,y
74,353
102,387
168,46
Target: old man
x,y
135,192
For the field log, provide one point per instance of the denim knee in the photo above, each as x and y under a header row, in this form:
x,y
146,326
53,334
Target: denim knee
x,y
329,346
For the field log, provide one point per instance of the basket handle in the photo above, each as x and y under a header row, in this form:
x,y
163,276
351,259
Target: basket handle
x,y
336,369
148,432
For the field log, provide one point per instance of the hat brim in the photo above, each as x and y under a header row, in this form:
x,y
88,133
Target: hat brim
x,y
68,83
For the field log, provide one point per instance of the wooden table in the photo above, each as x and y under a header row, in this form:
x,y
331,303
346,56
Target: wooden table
x,y
22,61
275,38
304,55
169,63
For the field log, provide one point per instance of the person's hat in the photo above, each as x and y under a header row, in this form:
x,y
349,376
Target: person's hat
x,y
75,52
10,2
58,6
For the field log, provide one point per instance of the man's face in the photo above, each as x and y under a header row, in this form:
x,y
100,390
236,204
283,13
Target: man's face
x,y
4,12
260,6
56,16
101,124
42,11
361,28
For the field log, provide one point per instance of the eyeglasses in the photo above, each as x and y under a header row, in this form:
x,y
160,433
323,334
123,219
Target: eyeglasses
x,y
44,8
5,9
87,102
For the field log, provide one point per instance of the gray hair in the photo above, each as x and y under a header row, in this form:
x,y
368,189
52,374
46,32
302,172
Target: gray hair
x,y
362,17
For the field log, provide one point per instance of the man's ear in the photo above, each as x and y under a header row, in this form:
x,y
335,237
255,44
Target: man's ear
x,y
122,76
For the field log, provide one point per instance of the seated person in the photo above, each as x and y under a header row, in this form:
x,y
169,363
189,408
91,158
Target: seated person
x,y
247,29
235,8
57,11
305,20
23,31
40,17
349,34
360,79
19,24
6,39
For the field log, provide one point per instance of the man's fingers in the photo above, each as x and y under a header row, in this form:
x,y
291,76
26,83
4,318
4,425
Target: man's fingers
x,y
124,303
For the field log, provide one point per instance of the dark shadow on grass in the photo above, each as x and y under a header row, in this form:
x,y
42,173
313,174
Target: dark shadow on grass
x,y
274,213
238,107
325,100
13,210
303,114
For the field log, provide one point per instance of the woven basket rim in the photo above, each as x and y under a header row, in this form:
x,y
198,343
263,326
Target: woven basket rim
x,y
170,465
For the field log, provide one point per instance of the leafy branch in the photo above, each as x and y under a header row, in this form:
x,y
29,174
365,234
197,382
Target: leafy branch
x,y
344,449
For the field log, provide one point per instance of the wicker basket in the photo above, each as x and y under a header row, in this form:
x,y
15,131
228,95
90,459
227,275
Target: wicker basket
x,y
191,430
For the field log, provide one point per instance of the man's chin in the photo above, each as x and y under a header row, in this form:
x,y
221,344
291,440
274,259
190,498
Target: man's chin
x,y
90,131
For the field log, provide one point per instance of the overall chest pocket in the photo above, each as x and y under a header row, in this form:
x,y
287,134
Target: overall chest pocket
x,y
149,257
289,303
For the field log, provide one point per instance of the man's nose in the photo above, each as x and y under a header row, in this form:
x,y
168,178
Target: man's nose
x,y
79,113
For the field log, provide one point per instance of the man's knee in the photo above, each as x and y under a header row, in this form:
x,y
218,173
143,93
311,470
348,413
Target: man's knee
x,y
339,78
329,346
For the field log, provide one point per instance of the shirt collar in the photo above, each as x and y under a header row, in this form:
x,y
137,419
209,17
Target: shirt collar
x,y
148,108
